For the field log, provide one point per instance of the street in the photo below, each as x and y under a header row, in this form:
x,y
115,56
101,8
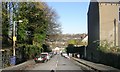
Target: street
x,y
57,63
89,31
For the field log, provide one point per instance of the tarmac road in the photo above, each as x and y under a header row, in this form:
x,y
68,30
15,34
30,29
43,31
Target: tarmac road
x,y
57,64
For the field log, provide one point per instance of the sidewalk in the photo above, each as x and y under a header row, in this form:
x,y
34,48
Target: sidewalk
x,y
96,66
21,66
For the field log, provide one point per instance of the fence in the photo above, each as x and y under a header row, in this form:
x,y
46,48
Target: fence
x,y
7,54
111,59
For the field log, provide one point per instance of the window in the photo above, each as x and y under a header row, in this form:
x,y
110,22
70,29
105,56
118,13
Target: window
x,y
119,13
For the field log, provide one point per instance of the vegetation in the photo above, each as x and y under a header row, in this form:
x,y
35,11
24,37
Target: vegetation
x,y
46,48
106,46
70,48
39,21
75,42
5,25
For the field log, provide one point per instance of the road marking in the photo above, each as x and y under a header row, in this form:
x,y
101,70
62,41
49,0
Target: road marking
x,y
57,64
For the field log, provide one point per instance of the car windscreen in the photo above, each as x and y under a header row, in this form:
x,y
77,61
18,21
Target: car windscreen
x,y
37,56
43,55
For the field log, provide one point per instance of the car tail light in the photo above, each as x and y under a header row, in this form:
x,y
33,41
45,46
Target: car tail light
x,y
35,58
44,58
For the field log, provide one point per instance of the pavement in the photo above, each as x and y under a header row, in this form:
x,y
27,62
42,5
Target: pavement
x,y
20,66
96,67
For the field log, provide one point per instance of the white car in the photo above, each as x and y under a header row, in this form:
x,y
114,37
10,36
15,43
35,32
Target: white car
x,y
47,54
65,55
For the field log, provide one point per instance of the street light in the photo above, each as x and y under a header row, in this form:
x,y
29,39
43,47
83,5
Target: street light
x,y
20,21
14,37
13,59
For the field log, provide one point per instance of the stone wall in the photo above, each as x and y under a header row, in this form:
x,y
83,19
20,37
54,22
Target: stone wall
x,y
111,59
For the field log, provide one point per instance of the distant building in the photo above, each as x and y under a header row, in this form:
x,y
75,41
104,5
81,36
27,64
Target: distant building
x,y
103,24
85,40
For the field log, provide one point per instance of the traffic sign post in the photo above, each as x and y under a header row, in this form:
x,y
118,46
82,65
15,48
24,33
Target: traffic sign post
x,y
14,38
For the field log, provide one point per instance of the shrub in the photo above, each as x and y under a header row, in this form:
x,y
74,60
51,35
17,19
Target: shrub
x,y
31,51
106,46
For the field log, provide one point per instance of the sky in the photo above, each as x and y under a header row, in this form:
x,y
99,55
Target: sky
x,y
73,16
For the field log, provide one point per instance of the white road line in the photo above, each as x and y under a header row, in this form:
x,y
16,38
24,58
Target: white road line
x,y
57,64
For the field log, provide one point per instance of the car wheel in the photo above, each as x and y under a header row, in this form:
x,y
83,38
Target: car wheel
x,y
45,61
35,61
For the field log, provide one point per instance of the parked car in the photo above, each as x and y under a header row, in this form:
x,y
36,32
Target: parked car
x,y
46,54
40,58
51,54
64,54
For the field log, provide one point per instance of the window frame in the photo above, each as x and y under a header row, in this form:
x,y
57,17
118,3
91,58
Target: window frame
x,y
119,14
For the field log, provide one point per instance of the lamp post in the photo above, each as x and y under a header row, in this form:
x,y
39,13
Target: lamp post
x,y
14,37
13,59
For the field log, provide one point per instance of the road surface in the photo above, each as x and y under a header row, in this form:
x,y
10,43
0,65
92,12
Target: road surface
x,y
58,64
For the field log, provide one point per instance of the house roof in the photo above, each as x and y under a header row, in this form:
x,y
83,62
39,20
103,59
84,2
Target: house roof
x,y
85,39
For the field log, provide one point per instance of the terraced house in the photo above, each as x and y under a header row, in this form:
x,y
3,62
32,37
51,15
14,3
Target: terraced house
x,y
103,24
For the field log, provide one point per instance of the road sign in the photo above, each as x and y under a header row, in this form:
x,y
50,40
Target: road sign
x,y
14,38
